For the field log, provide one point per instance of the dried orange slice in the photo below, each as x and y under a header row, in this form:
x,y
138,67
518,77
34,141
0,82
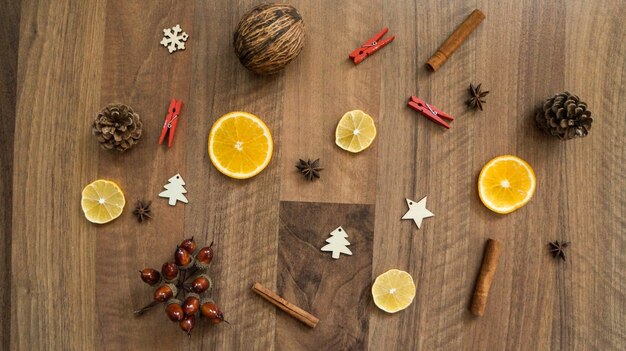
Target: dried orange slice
x,y
506,183
102,201
240,145
393,290
355,131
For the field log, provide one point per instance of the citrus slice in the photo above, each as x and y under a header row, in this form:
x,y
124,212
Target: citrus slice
x,y
103,201
393,290
506,183
240,145
355,131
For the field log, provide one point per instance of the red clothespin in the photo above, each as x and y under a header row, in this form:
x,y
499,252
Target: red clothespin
x,y
171,120
371,46
431,112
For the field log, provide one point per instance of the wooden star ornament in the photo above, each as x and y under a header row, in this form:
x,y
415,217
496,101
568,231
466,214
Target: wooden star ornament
x,y
417,211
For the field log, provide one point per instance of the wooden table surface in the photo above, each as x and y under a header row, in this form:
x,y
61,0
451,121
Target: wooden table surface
x,y
71,285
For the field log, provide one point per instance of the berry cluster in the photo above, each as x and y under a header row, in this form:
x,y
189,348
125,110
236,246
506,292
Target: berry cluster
x,y
186,275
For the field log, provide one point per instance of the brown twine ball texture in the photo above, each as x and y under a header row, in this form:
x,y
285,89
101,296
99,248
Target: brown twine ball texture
x,y
268,37
117,127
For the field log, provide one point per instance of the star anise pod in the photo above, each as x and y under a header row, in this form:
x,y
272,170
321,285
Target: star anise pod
x,y
557,249
310,170
142,210
477,95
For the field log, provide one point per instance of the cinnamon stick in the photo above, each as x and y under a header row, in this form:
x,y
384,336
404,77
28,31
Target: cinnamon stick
x,y
291,309
485,277
455,40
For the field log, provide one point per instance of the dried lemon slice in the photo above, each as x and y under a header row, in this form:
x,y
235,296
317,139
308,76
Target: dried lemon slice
x,y
355,131
393,290
102,201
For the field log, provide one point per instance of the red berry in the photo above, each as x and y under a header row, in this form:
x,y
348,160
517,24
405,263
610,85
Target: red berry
x,y
187,324
204,256
191,304
182,257
175,311
164,292
210,311
201,284
150,276
189,245
217,320
169,271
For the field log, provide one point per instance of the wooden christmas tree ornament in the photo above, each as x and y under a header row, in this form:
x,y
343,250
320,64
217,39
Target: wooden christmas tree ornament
x,y
337,243
175,190
268,37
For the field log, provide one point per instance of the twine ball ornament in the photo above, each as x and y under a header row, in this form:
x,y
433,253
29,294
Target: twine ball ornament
x,y
268,37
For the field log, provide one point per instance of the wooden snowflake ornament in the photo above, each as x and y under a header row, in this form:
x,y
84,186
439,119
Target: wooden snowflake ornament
x,y
174,38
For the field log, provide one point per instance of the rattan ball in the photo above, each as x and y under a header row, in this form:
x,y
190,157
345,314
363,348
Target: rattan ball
x,y
268,37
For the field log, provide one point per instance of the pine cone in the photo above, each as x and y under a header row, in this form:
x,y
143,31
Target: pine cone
x,y
564,116
118,127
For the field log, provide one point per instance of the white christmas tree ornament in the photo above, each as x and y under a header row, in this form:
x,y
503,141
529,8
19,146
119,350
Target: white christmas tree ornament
x,y
417,211
337,243
175,190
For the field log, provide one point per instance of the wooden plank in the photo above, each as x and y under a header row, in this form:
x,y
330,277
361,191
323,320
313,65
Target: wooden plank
x,y
338,292
239,260
52,270
592,286
322,85
397,169
526,273
240,215
139,72
79,284
419,158
9,42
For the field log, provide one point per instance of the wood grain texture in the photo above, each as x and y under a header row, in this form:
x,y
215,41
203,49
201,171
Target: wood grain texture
x,y
53,248
338,292
133,73
592,291
241,216
313,105
9,40
78,285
